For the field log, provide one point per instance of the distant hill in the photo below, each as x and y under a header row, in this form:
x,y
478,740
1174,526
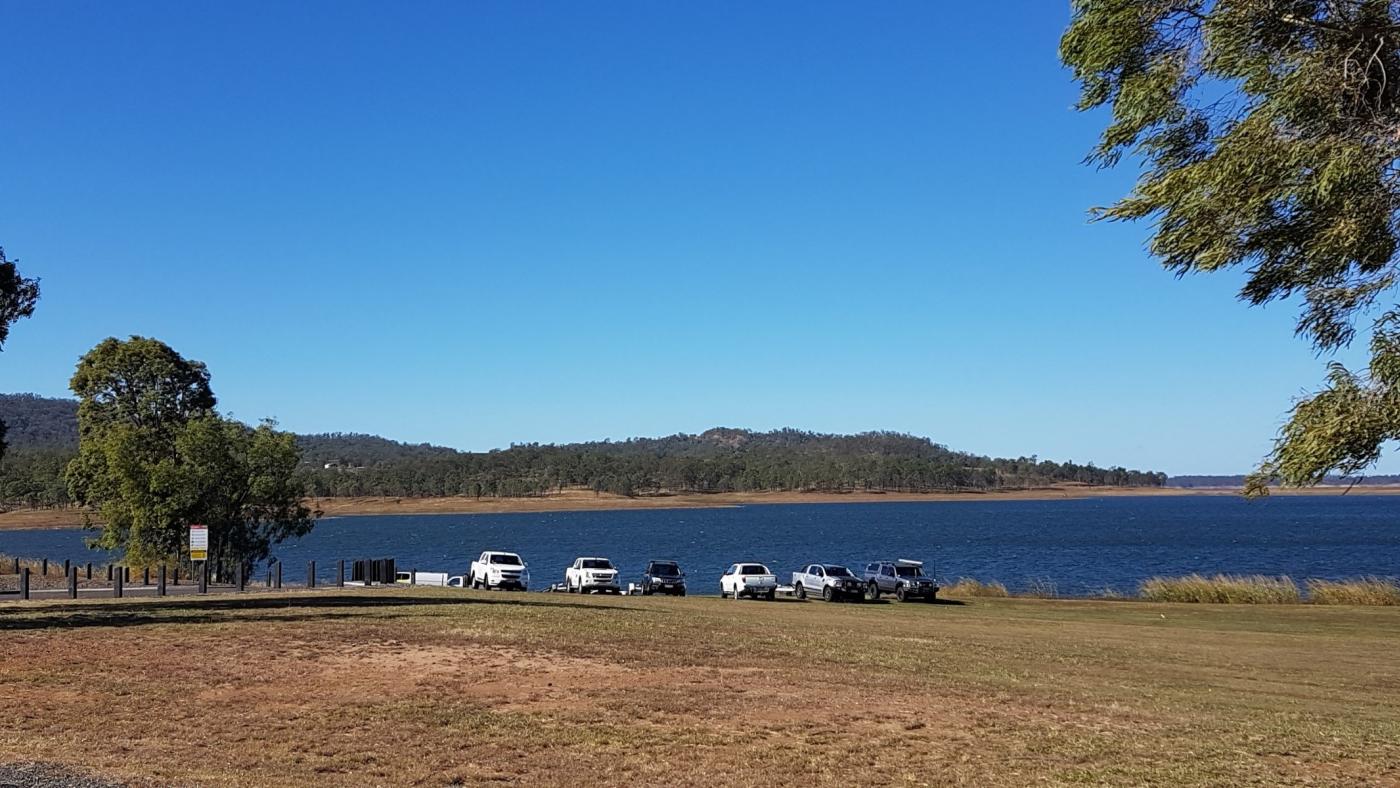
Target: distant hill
x,y
43,435
39,422
1238,481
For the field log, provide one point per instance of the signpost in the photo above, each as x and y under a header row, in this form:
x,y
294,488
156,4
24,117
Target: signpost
x,y
199,542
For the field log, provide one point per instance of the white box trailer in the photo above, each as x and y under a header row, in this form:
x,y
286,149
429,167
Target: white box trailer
x,y
421,578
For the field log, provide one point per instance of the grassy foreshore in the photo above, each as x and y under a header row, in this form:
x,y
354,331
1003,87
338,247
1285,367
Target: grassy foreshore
x,y
431,687
585,500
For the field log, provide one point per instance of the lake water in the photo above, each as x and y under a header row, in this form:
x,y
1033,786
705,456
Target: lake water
x,y
1082,546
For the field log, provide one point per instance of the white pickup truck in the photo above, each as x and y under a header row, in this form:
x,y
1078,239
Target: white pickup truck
x,y
829,581
496,569
592,574
747,579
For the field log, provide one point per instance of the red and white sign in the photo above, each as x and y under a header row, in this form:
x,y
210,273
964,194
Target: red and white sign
x,y
199,542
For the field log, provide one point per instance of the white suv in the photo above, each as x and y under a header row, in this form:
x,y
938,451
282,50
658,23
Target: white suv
x,y
495,569
592,574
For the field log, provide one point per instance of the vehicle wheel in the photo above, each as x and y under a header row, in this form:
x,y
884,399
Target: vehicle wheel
x,y
872,591
801,591
771,595
827,594
738,591
680,592
900,595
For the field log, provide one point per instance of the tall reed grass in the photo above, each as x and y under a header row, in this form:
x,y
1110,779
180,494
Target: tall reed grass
x,y
1222,589
1361,591
969,586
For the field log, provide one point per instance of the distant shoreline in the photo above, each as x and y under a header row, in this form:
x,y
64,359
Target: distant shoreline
x,y
585,501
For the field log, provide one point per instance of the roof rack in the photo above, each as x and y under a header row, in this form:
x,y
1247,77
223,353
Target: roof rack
x,y
909,562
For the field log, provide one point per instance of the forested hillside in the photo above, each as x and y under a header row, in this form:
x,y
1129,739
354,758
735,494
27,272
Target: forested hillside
x,y
719,460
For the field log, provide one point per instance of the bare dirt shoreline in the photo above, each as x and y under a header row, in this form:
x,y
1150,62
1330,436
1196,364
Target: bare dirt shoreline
x,y
586,500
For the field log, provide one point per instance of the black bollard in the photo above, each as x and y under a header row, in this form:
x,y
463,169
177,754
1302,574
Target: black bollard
x,y
278,576
66,566
340,574
45,570
126,574
310,574
117,585
176,580
241,573
24,583
203,578
109,573
146,576
73,583
160,581
89,570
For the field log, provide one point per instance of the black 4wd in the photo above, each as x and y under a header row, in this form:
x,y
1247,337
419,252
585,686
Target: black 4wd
x,y
663,577
903,578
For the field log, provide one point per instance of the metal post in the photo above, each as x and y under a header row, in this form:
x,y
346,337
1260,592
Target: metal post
x,y
66,566
146,576
310,574
241,573
126,574
45,570
176,580
109,573
278,576
160,581
73,583
89,570
340,574
24,583
117,585
203,577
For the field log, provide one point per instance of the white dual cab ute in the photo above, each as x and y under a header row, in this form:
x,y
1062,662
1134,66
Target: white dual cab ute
x,y
831,582
588,574
495,569
748,579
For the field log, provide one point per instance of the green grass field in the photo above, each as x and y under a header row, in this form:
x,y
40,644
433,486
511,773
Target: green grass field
x,y
424,687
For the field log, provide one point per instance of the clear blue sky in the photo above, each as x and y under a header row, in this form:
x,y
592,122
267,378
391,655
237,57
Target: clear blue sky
x,y
492,222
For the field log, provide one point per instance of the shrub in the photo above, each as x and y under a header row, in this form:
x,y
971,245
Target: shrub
x,y
968,586
1222,589
1362,591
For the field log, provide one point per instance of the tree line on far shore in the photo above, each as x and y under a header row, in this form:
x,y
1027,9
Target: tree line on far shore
x,y
717,461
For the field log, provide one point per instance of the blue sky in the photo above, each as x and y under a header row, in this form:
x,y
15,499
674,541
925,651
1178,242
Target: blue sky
x,y
492,222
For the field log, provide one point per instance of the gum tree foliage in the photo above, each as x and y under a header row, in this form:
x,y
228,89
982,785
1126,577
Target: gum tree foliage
x,y
17,299
1268,133
154,457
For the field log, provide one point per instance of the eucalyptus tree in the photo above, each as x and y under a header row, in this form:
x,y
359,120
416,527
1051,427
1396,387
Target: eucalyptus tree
x,y
1268,135
154,457
18,296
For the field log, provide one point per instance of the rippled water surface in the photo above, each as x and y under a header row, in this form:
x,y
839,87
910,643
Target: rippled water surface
x,y
1082,546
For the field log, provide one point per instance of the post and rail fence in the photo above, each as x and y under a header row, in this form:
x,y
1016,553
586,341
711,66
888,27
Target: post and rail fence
x,y
36,579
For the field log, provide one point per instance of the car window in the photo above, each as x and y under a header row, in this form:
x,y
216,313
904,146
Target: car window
x,y
838,571
506,558
731,569
754,569
888,571
597,563
909,571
